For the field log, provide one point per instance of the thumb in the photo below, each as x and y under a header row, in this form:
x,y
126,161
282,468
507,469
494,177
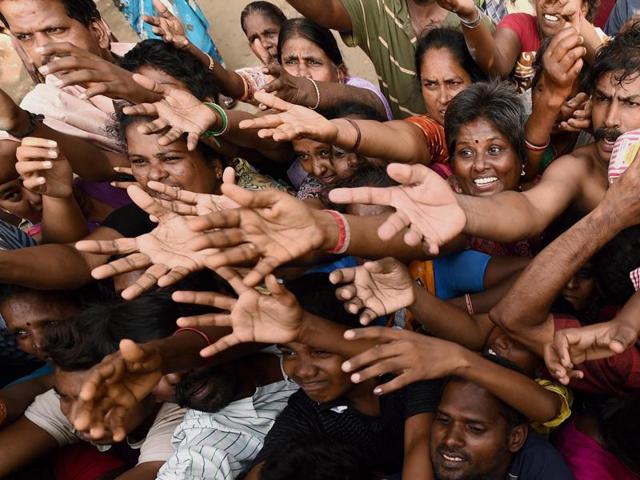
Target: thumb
x,y
229,176
149,84
131,351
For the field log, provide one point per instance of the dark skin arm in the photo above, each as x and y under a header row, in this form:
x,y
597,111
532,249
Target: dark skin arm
x,y
19,396
23,442
417,462
328,13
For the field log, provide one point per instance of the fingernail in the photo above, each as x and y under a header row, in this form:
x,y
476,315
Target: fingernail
x,y
40,49
346,366
47,164
52,144
44,70
53,153
377,391
349,334
40,180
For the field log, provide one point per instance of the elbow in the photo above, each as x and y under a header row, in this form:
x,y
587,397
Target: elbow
x,y
504,317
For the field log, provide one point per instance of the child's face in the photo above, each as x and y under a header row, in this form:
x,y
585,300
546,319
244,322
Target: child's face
x,y
318,373
580,288
14,198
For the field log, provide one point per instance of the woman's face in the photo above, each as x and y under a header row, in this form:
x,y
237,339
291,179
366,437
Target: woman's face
x,y
580,288
318,373
552,16
326,163
172,165
442,78
263,30
303,58
484,162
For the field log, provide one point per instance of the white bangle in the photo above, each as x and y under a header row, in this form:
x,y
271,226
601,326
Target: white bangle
x,y
473,23
315,85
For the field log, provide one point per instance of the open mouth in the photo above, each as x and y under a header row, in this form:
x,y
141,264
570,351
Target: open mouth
x,y
484,181
452,460
552,19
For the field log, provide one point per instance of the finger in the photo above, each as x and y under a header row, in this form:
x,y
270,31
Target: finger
x,y
151,85
233,256
171,136
192,141
208,320
223,238
354,305
155,22
380,367
229,176
272,87
142,109
130,263
373,355
27,154
264,267
123,185
175,275
367,316
346,293
122,246
342,275
264,122
154,126
145,282
102,88
395,384
209,299
35,184
272,101
234,279
394,224
29,167
146,202
176,193
38,142
60,49
221,345
381,334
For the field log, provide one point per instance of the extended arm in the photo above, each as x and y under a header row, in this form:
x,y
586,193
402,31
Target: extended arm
x,y
16,398
23,442
328,13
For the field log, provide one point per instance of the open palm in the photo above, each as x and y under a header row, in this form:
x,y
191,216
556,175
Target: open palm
x,y
425,205
377,288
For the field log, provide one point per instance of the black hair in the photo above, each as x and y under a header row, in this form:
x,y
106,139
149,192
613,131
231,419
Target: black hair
x,y
496,102
181,65
316,457
354,109
621,55
620,430
84,11
593,5
316,34
512,417
316,295
613,263
266,9
368,176
96,332
208,389
453,41
80,297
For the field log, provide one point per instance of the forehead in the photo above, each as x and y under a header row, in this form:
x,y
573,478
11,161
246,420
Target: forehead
x,y
301,46
306,145
466,400
441,63
33,15
30,307
609,83
479,129
257,22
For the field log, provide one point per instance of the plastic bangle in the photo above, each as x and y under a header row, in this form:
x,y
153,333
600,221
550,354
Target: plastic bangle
x,y
473,23
344,232
212,64
358,134
223,117
315,85
536,148
194,330
467,299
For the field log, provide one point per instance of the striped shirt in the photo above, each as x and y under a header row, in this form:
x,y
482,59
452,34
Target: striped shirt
x,y
219,446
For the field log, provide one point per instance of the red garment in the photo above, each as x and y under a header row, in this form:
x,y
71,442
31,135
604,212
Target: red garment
x,y
526,27
604,10
82,461
618,375
434,134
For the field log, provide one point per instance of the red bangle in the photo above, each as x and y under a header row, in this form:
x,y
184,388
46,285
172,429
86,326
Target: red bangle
x,y
467,299
194,330
358,134
532,147
344,232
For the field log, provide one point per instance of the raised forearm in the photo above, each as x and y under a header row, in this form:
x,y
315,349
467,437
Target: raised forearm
x,y
328,13
484,48
417,464
394,141
550,271
328,336
228,81
62,220
18,397
515,389
333,94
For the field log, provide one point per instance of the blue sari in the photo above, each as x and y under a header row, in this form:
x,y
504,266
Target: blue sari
x,y
189,13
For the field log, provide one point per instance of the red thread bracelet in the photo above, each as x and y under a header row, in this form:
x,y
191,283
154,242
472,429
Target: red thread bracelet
x,y
344,232
195,330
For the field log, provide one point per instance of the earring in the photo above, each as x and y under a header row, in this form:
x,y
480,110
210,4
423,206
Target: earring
x,y
523,172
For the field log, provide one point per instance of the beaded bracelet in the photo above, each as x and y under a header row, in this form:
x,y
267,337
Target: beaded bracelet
x,y
344,232
223,117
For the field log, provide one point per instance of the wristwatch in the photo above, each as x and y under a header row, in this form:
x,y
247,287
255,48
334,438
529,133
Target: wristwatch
x,y
32,124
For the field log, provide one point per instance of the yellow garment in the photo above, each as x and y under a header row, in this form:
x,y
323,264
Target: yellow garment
x,y
565,410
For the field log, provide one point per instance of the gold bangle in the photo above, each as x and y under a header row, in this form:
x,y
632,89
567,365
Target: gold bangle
x,y
212,64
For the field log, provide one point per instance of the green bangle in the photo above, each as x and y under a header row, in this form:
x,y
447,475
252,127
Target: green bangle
x,y
223,116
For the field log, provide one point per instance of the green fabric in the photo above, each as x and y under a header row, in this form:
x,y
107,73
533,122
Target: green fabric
x,y
383,30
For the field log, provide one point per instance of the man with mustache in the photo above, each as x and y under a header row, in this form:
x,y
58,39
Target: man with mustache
x,y
476,436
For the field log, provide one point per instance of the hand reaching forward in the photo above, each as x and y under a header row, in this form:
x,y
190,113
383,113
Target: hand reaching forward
x,y
167,26
377,288
573,346
164,251
409,355
177,110
424,203
254,317
271,226
44,168
184,202
115,386
293,122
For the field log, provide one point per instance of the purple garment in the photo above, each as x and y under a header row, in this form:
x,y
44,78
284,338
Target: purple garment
x,y
104,192
367,85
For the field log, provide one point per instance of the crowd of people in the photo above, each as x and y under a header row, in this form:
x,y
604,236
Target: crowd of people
x,y
288,272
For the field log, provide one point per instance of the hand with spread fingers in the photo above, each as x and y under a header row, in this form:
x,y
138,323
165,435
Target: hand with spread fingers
x,y
375,288
123,172
253,316
270,227
76,66
426,207
297,90
184,202
44,168
563,61
114,386
293,122
167,26
573,346
408,355
178,113
164,251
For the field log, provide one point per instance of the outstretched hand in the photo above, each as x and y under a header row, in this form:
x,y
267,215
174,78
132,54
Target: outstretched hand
x,y
293,122
426,207
178,113
167,26
163,252
271,227
253,316
573,346
115,386
408,355
44,168
374,288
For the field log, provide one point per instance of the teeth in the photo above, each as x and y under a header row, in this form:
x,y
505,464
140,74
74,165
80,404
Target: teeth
x,y
451,459
551,18
485,181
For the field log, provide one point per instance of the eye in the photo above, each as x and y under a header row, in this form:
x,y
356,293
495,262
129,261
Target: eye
x,y
601,98
291,61
465,153
325,153
476,429
287,353
13,196
23,37
631,103
138,162
55,30
315,61
495,150
172,159
430,85
303,157
442,419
